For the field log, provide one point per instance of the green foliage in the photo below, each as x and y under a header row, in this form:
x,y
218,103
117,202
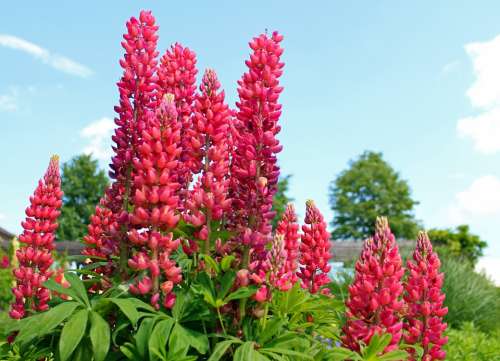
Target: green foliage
x,y
6,280
471,344
83,185
470,296
368,189
281,199
459,243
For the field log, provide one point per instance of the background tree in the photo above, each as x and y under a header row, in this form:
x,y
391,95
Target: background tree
x,y
370,187
459,242
281,199
83,184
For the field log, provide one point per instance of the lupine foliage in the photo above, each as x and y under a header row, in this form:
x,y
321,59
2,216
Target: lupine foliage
x,y
181,262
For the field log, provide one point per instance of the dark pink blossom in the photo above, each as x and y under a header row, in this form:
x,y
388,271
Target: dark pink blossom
x,y
254,170
155,204
424,325
177,75
314,250
208,200
34,256
374,302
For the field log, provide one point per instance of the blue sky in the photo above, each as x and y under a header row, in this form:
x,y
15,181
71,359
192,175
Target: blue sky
x,y
419,82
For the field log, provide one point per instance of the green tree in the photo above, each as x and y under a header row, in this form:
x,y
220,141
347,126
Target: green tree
x,y
370,187
281,199
83,184
459,242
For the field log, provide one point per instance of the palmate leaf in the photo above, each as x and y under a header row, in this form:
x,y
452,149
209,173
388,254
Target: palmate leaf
x,y
43,323
128,307
158,339
220,349
72,333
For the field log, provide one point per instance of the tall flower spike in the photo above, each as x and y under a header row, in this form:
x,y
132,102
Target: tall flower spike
x,y
155,206
101,238
289,228
424,319
34,257
208,200
137,89
374,300
254,170
314,250
177,75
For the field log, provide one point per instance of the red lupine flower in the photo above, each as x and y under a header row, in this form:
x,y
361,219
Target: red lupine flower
x,y
34,257
374,300
137,91
5,263
155,203
314,251
100,241
254,170
177,75
289,228
424,318
208,200
138,99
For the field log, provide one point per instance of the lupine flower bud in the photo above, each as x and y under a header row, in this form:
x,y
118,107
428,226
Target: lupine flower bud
x,y
314,250
374,301
289,228
208,200
155,203
34,257
423,323
254,168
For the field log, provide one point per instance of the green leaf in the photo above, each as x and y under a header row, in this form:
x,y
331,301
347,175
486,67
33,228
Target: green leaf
x,y
243,292
77,286
284,351
128,307
211,262
341,354
72,334
377,345
245,352
271,330
41,324
227,282
142,337
226,262
394,356
220,349
99,336
159,337
56,287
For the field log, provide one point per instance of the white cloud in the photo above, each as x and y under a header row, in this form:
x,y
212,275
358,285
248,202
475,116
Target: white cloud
x,y
98,133
483,129
9,101
58,62
2,216
480,199
484,94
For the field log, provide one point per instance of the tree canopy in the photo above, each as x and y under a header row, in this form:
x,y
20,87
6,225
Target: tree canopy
x,y
459,242
370,187
83,184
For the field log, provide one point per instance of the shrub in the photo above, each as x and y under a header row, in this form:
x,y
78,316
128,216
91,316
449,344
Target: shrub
x,y
470,296
471,344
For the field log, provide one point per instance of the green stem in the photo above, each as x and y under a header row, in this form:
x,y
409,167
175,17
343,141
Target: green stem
x,y
221,322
